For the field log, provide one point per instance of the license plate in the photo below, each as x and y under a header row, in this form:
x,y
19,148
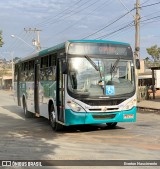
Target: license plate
x,y
128,116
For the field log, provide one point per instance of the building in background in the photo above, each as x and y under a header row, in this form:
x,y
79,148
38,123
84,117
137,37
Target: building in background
x,y
5,74
145,75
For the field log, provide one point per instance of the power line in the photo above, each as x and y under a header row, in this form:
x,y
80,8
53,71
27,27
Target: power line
x,y
121,25
152,13
109,24
151,22
64,17
143,22
123,31
16,42
150,18
106,3
126,8
84,17
145,2
83,8
46,20
128,25
150,5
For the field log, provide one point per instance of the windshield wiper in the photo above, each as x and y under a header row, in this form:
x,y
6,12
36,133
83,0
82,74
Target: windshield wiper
x,y
92,63
115,65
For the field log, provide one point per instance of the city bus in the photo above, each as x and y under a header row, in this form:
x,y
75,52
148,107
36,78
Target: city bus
x,y
78,82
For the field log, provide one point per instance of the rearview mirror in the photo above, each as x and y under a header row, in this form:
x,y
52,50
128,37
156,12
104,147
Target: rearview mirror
x,y
137,64
64,68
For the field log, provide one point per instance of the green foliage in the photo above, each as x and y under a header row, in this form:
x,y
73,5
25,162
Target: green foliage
x,y
1,39
16,58
154,51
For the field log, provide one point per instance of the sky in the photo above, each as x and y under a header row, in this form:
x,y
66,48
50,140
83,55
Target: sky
x,y
61,20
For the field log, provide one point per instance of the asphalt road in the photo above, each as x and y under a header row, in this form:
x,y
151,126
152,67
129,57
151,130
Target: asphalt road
x,y
33,138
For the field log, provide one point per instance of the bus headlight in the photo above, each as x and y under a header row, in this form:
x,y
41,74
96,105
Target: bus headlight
x,y
74,106
130,105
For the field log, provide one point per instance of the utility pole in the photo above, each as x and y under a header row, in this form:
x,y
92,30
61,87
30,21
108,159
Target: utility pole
x,y
34,41
137,40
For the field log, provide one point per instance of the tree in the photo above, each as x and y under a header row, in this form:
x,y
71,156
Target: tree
x,y
16,58
154,51
1,39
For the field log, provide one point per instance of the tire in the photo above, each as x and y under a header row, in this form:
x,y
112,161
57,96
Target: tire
x,y
27,114
52,120
111,125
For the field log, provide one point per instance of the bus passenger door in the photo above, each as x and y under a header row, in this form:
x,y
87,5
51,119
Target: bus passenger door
x,y
18,86
60,91
36,88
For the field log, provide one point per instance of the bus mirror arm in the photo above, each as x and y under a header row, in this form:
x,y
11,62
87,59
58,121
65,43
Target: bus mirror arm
x,y
64,68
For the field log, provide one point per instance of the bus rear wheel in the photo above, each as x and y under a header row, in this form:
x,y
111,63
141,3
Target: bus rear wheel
x,y
52,119
111,125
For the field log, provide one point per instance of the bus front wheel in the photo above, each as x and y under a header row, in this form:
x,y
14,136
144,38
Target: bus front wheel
x,y
52,119
111,125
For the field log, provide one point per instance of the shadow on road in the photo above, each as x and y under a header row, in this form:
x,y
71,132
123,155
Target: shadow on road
x,y
89,128
14,109
25,139
77,128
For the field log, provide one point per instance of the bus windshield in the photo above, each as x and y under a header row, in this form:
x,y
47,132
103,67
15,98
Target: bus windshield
x,y
100,77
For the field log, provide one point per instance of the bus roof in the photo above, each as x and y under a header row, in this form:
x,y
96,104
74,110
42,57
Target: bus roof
x,y
98,41
62,46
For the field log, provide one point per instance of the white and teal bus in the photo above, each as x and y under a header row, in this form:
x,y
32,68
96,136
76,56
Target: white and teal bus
x,y
78,82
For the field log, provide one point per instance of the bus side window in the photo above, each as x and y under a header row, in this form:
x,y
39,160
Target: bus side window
x,y
26,67
52,60
44,68
31,70
44,62
22,78
48,67
52,67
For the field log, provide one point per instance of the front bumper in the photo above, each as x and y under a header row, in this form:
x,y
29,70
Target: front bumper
x,y
74,118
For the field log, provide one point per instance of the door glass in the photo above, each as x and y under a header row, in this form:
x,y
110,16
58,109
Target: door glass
x,y
60,92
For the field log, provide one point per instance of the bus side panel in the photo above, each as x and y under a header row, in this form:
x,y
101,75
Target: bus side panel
x,y
43,99
47,91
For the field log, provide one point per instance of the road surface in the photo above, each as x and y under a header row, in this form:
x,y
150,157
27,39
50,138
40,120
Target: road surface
x,y
33,138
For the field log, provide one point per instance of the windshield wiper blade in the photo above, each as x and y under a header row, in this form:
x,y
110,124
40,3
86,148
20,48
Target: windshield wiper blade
x,y
115,65
92,63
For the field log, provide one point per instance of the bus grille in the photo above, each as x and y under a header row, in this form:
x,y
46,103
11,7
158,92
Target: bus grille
x,y
104,116
103,102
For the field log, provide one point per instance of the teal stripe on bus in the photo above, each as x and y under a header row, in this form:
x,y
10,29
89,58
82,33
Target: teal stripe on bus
x,y
52,49
99,41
